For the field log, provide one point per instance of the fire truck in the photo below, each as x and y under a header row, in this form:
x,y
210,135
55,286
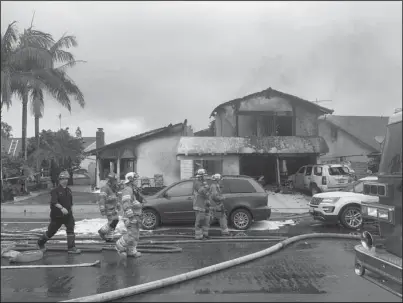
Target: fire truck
x,y
383,256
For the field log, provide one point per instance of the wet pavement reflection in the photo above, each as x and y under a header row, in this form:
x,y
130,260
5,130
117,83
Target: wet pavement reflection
x,y
313,270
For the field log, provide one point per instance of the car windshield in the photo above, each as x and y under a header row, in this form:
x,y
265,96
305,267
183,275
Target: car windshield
x,y
391,159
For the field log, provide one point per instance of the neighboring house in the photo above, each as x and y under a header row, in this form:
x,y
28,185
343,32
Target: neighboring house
x,y
149,154
269,133
352,138
89,162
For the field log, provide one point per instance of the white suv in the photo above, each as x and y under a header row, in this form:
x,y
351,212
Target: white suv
x,y
321,178
342,206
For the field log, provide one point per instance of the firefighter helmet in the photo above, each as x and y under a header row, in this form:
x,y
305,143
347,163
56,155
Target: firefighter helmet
x,y
129,177
64,175
111,175
201,172
216,177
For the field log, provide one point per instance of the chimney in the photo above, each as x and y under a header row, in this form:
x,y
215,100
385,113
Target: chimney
x,y
100,138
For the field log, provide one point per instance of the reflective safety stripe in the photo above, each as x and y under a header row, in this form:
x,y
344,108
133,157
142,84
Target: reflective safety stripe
x,y
129,213
103,194
126,197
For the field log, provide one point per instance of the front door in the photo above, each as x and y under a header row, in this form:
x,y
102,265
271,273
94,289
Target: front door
x,y
178,203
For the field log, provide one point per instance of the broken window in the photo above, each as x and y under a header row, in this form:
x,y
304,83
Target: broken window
x,y
284,125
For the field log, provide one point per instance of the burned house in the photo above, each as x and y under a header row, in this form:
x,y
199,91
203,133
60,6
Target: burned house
x,y
149,154
268,134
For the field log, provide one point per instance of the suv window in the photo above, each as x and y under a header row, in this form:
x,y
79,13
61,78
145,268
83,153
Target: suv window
x,y
317,170
240,186
181,189
302,170
336,171
308,171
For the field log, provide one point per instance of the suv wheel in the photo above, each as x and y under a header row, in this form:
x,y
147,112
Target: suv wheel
x,y
314,190
351,217
241,219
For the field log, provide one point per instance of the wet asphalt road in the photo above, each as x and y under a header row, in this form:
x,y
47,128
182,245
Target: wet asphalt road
x,y
317,270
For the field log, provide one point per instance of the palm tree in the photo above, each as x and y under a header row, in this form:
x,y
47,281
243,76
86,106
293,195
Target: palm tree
x,y
58,56
27,66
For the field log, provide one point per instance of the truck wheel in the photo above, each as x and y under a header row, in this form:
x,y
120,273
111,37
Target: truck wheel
x,y
241,219
351,217
359,269
151,219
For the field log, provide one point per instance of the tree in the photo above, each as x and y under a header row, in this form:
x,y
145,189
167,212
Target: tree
x,y
58,56
59,146
61,56
6,130
27,66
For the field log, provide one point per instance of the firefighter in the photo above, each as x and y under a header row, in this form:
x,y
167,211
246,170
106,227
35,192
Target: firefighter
x,y
61,213
132,209
201,205
109,207
217,209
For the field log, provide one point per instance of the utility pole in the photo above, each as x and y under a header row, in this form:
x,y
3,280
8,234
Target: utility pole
x,y
60,120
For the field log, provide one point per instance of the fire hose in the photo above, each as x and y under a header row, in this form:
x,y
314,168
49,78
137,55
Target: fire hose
x,y
133,290
31,252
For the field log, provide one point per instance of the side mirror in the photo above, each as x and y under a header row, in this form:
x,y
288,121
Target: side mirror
x,y
165,195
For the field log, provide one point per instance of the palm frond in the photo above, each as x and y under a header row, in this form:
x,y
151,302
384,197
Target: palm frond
x,y
5,89
62,56
71,88
9,39
37,103
42,79
64,42
39,56
69,64
36,38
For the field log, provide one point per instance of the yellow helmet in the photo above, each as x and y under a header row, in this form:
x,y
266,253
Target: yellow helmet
x,y
129,177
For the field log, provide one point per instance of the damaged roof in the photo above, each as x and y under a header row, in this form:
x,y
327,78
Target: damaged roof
x,y
271,93
139,136
251,145
363,128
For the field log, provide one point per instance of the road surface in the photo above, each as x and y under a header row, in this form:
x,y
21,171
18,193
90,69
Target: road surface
x,y
316,270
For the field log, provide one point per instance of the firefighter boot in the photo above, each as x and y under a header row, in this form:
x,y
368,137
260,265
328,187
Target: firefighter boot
x,y
42,241
132,252
121,247
71,244
105,233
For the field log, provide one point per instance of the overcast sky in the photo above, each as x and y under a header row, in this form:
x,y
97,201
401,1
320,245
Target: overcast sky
x,y
150,64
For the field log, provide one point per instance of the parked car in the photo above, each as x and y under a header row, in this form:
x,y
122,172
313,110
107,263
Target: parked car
x,y
342,206
321,178
244,199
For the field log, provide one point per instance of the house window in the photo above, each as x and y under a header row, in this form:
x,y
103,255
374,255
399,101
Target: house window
x,y
284,125
333,133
